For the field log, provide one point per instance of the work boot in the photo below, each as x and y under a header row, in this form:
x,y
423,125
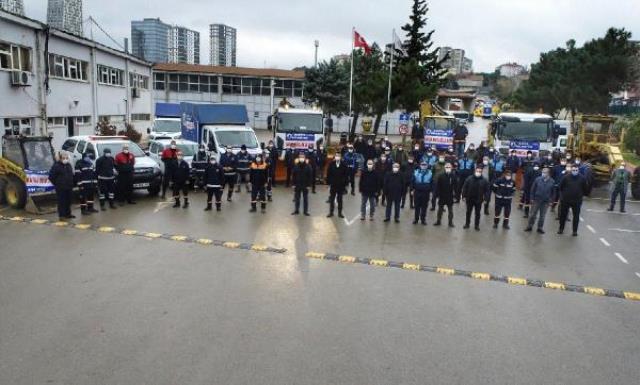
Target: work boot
x,y
528,229
208,208
540,231
102,204
486,209
466,226
610,208
505,224
263,207
330,215
112,205
253,208
238,189
526,212
91,209
177,204
451,224
186,203
495,222
340,214
438,223
83,210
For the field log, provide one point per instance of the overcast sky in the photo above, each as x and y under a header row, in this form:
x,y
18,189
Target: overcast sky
x,y
281,34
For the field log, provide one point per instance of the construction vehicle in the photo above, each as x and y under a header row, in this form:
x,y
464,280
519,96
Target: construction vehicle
x,y
24,173
594,140
438,125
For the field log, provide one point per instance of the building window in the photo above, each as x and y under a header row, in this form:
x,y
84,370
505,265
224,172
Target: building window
x,y
138,81
173,82
145,117
15,57
67,68
57,121
231,85
110,76
158,81
80,120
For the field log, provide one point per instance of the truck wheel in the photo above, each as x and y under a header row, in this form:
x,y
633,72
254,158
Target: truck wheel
x,y
15,193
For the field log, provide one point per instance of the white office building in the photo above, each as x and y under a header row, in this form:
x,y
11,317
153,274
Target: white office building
x,y
13,6
65,15
66,90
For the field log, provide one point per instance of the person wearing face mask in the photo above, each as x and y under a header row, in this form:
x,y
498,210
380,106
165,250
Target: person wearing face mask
x,y
619,184
337,179
199,163
228,162
573,187
466,165
311,161
446,185
472,153
105,170
181,181
473,192
557,172
460,134
437,170
430,157
503,188
541,195
417,153
61,177
369,186
213,179
399,155
530,175
243,164
383,167
407,171
487,173
421,181
497,168
86,180
393,186
358,145
273,157
302,179
125,162
513,162
258,177
169,159
321,161
268,161
369,151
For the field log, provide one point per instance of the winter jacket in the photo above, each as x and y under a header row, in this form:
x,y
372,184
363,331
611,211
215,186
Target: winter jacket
x,y
542,189
620,178
338,176
370,182
105,166
503,188
61,176
170,159
181,173
302,175
228,163
460,133
475,189
85,174
422,180
258,174
573,188
350,159
513,163
393,185
445,187
369,153
243,161
213,175
125,163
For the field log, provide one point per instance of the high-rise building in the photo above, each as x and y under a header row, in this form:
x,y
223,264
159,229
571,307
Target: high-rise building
x,y
222,45
158,42
13,6
184,45
467,65
150,40
65,15
455,60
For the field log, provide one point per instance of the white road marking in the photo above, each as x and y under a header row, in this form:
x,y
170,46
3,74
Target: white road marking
x,y
611,212
581,219
604,242
162,205
608,200
625,230
350,222
621,258
591,229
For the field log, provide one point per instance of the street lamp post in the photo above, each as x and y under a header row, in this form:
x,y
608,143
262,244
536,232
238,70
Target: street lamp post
x,y
315,60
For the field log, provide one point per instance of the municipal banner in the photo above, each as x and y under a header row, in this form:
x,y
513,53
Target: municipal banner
x,y
522,146
298,140
38,181
439,138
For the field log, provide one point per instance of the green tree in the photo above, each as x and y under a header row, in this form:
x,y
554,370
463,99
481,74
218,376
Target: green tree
x,y
328,86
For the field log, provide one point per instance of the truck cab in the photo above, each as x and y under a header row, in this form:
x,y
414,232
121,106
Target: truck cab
x,y
219,138
167,122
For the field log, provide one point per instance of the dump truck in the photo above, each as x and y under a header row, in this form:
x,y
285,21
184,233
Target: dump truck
x,y
25,162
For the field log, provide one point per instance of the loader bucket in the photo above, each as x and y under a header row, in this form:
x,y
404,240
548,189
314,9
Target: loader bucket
x,y
41,203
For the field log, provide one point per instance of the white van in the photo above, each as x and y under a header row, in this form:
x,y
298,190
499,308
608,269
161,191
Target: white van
x,y
164,127
231,136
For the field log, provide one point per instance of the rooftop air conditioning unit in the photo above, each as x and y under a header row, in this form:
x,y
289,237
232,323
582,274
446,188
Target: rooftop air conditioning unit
x,y
20,78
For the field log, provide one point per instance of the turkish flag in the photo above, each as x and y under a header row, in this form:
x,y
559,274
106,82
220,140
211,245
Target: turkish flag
x,y
359,42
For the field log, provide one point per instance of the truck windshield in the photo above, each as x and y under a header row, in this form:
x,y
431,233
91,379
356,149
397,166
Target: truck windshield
x,y
235,139
439,124
39,156
166,126
461,115
116,147
187,149
303,123
532,131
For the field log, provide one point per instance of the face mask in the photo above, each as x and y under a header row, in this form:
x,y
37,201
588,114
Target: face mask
x,y
337,159
180,158
529,156
351,150
471,148
270,145
485,162
321,148
567,169
563,163
568,157
545,175
300,160
416,148
430,153
621,167
423,167
108,155
410,160
370,167
395,169
447,170
65,161
507,177
441,160
370,143
125,151
536,168
384,158
478,174
574,172
549,157
577,161
212,161
173,146
491,150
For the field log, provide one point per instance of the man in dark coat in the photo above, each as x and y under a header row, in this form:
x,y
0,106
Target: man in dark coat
x,y
474,191
180,180
393,187
337,179
125,163
302,179
213,179
573,188
61,177
369,187
446,186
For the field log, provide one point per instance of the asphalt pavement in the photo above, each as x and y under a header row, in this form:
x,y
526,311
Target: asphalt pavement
x,y
117,303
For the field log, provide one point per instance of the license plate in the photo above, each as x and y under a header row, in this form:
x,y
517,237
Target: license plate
x,y
140,185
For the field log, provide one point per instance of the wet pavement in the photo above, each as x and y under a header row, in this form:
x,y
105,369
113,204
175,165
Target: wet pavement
x,y
100,307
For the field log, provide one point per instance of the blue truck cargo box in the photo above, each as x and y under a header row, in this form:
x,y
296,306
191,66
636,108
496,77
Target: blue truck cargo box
x,y
195,115
168,110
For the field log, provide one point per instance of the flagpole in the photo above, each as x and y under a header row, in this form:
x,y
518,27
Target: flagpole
x,y
393,48
353,29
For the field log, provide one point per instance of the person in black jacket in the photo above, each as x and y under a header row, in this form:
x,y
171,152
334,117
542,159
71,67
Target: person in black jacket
x,y
310,159
407,172
369,187
302,179
180,179
393,188
229,164
105,169
321,160
213,180
61,177
369,150
125,164
573,188
243,165
474,191
273,159
503,188
258,177
337,179
446,185
86,180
